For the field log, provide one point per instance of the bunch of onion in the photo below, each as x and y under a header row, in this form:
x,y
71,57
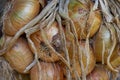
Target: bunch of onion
x,y
88,62
106,45
43,49
99,73
46,71
19,56
85,18
18,14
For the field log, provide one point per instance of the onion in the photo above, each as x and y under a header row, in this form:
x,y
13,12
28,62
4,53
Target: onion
x,y
99,73
19,56
85,19
103,43
20,13
53,37
91,59
46,71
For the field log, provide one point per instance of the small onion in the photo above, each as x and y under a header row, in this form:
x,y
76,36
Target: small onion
x,y
103,43
53,37
83,22
91,59
48,71
19,56
20,13
99,73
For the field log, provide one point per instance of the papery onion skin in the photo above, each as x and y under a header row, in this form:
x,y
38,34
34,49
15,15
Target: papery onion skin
x,y
104,37
20,13
19,56
116,59
48,71
99,73
91,63
78,12
53,36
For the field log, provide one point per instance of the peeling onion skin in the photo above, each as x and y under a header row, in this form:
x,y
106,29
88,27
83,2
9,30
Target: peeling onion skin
x,y
20,13
99,73
104,35
92,60
44,53
19,56
48,71
78,12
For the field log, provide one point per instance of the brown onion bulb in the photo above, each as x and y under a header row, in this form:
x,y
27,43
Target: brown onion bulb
x,y
44,53
48,71
99,73
103,43
83,22
19,56
91,59
20,13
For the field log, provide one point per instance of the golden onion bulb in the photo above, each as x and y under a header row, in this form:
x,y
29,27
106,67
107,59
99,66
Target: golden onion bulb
x,y
103,43
91,59
20,13
19,56
86,20
46,71
53,36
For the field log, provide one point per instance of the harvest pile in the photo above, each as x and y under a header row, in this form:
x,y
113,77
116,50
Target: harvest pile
x,y
61,39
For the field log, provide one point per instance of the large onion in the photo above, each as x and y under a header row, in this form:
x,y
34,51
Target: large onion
x,y
53,37
46,71
19,56
103,44
106,47
91,59
20,13
99,73
85,19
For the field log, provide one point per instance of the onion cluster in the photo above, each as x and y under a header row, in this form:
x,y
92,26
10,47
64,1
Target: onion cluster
x,y
61,39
